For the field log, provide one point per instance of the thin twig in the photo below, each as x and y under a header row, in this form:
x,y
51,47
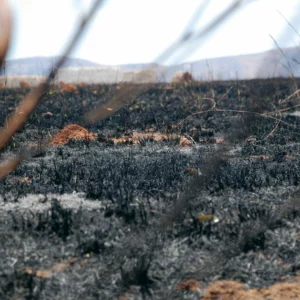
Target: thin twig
x,y
274,129
297,92
289,23
277,122
287,60
283,109
204,111
212,108
238,111
225,94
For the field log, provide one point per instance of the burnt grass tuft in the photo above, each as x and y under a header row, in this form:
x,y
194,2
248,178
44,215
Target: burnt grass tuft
x,y
95,220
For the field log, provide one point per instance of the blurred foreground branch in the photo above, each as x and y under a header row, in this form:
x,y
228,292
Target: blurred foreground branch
x,y
31,100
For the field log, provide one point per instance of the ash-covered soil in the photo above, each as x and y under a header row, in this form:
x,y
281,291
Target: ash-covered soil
x,y
120,218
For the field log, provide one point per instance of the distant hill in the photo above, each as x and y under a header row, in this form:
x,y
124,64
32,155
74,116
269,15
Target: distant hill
x,y
260,65
274,63
40,66
133,67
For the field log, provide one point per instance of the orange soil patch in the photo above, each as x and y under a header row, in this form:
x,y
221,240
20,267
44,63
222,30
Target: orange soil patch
x,y
184,142
220,140
24,85
192,170
26,180
69,88
129,294
286,290
48,272
191,285
233,290
263,157
182,77
137,136
72,131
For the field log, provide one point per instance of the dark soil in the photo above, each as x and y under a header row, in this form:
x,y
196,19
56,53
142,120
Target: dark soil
x,y
96,220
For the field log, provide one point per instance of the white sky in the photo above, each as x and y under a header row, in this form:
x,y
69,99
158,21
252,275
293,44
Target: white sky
x,y
136,31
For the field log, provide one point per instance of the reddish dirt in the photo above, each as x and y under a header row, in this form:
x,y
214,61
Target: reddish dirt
x,y
72,131
69,88
220,140
184,142
137,136
182,77
191,285
47,273
263,157
233,290
24,85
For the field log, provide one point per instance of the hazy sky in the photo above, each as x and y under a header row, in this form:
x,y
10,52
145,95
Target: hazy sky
x,y
135,31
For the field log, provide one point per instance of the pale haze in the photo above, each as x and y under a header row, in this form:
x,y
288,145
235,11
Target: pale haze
x,y
137,31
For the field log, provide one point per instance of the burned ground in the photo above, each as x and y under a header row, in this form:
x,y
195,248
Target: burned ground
x,y
97,220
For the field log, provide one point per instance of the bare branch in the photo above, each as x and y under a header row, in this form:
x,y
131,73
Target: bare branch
x,y
9,165
5,29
